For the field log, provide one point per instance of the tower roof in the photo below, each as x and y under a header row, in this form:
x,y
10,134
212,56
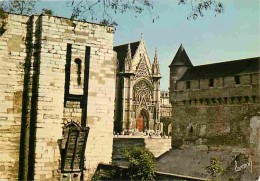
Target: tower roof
x,y
223,69
181,58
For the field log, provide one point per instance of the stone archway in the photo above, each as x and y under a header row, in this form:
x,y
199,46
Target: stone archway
x,y
142,121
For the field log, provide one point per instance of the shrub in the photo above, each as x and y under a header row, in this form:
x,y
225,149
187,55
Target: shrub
x,y
214,168
177,143
141,164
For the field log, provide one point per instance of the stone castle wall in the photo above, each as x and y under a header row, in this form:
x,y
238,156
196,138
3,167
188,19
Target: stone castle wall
x,y
49,38
217,116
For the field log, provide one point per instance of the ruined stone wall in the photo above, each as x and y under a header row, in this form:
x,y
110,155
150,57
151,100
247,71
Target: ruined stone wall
x,y
56,34
33,53
13,69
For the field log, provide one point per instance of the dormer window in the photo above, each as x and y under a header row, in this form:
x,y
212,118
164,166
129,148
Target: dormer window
x,y
187,85
237,80
211,82
78,62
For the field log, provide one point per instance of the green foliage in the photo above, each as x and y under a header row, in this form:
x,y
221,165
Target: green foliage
x,y
47,11
214,168
177,143
19,6
3,16
97,176
22,6
233,178
2,13
108,23
2,28
114,172
141,163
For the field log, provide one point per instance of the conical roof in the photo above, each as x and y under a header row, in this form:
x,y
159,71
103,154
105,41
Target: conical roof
x,y
181,58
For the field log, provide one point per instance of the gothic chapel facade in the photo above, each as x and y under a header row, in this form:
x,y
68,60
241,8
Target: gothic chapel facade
x,y
137,101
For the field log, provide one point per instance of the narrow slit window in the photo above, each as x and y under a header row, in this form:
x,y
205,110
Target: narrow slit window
x,y
211,82
237,80
78,62
188,85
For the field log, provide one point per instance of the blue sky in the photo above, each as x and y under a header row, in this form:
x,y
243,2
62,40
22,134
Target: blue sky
x,y
229,36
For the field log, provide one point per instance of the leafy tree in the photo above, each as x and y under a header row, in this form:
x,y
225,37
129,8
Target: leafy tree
x,y
19,6
102,10
14,6
141,163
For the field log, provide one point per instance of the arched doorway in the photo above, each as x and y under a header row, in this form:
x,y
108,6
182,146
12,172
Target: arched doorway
x,y
142,121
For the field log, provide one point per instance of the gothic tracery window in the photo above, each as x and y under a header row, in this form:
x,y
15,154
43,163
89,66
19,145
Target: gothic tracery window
x,y
142,92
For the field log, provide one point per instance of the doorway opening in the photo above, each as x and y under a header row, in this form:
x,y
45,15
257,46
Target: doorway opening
x,y
142,121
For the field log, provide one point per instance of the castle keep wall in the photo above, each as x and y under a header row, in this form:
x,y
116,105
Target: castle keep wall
x,y
50,107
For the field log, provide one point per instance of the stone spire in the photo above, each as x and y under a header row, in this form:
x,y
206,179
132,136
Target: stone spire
x,y
155,66
156,56
128,59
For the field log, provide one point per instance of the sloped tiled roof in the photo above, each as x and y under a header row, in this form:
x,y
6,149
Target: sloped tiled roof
x,y
223,69
122,52
181,58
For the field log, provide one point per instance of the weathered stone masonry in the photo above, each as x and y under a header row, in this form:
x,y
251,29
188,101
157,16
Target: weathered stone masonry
x,y
216,105
34,106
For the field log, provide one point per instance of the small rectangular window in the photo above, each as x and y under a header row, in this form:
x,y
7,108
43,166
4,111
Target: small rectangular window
x,y
211,82
237,79
187,85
